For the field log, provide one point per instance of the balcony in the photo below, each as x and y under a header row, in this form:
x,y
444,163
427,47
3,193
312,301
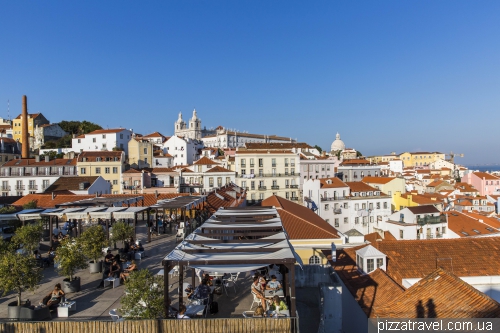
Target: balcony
x,y
243,165
273,165
5,188
32,187
333,199
337,211
286,165
294,186
261,165
275,187
287,186
431,220
252,165
262,188
19,187
294,198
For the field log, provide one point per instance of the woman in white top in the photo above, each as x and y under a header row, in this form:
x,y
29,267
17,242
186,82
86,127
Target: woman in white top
x,y
182,311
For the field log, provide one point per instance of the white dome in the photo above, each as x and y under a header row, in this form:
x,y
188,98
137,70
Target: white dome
x,y
337,144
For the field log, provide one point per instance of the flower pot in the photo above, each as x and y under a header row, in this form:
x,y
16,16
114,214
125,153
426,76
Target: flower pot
x,y
95,267
71,286
14,310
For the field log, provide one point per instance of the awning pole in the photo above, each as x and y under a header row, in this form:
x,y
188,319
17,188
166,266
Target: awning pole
x,y
181,280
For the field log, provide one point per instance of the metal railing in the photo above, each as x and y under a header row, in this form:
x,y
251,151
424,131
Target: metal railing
x,y
32,187
276,187
294,186
333,198
20,187
294,198
337,211
262,188
431,220
5,188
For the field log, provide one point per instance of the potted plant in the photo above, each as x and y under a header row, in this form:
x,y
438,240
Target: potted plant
x,y
18,273
70,258
29,237
93,240
122,232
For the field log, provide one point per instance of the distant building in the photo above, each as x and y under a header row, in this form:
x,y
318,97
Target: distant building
x,y
486,183
355,170
47,132
420,158
34,120
103,140
108,164
10,149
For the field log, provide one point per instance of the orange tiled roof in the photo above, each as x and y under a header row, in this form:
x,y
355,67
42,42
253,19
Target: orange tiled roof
x,y
441,294
299,221
30,115
485,175
214,202
132,170
219,169
205,161
162,170
31,162
276,145
91,156
70,183
355,161
332,182
106,131
377,180
360,187
466,226
154,135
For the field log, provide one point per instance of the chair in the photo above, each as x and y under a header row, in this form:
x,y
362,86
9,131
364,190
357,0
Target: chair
x,y
115,316
248,314
229,282
235,277
255,301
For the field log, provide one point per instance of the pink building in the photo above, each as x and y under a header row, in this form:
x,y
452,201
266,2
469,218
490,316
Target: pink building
x,y
484,182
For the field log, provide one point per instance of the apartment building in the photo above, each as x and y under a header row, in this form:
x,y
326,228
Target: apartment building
x,y
267,173
103,140
420,158
484,182
140,153
34,120
10,149
108,164
21,177
422,222
184,150
356,169
347,205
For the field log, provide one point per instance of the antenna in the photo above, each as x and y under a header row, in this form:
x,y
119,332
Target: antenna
x,y
8,110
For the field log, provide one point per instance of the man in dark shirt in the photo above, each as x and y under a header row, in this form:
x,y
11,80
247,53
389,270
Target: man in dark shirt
x,y
108,259
203,291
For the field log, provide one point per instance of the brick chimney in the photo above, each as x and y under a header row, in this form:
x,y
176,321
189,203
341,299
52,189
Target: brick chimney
x,y
25,153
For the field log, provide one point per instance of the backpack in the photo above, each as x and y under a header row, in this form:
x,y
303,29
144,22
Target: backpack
x,y
214,308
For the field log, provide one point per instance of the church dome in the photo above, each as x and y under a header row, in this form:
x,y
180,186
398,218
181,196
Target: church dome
x,y
337,144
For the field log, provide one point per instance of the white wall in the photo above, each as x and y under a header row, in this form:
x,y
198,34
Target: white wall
x,y
111,140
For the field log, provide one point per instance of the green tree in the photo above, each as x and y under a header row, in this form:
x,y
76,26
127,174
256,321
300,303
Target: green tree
x,y
18,273
143,297
122,231
358,154
93,240
28,236
87,127
51,154
318,148
70,257
7,210
30,205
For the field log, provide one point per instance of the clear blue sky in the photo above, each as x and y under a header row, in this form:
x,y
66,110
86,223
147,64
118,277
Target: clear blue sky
x,y
388,75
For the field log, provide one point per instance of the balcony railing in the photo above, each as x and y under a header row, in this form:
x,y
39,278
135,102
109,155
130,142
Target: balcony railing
x,y
32,187
431,220
275,187
337,211
294,198
286,165
252,165
270,175
333,198
294,186
5,188
273,165
20,187
262,188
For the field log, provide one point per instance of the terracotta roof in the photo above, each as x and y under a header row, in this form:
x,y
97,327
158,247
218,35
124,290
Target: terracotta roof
x,y
373,237
377,180
214,202
485,175
355,161
30,115
299,221
332,182
163,170
276,145
31,162
185,170
361,187
389,236
219,169
205,161
154,135
260,152
467,226
132,170
440,294
490,221
70,183
106,131
92,156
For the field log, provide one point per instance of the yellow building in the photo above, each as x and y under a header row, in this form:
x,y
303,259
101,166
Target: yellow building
x,y
107,164
140,153
388,185
412,199
382,158
420,158
308,233
34,120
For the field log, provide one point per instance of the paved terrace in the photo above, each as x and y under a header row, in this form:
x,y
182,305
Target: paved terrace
x,y
95,304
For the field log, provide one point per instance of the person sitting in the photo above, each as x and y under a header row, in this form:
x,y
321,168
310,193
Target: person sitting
x,y
189,291
255,289
60,235
277,304
108,259
182,311
51,254
273,284
126,272
54,297
259,312
262,282
114,269
41,261
203,291
209,280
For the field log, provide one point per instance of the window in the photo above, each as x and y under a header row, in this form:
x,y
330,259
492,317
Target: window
x,y
211,181
369,265
145,150
243,163
79,140
115,182
106,170
314,260
97,170
146,160
385,205
94,139
252,185
261,162
363,206
346,220
104,136
359,262
380,262
378,205
83,171
356,206
273,162
400,234
121,136
337,222
356,220
115,169
327,206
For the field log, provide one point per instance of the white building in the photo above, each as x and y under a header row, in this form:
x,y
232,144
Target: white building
x,y
184,151
102,140
203,176
347,205
396,166
47,132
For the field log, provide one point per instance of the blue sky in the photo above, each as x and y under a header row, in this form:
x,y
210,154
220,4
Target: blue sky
x,y
387,75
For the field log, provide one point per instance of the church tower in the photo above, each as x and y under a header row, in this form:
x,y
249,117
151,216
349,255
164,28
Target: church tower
x,y
195,127
180,125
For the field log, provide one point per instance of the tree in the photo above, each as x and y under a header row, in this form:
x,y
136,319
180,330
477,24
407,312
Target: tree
x,y
93,240
70,257
51,154
18,273
358,154
7,209
28,236
30,205
143,297
318,148
122,231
